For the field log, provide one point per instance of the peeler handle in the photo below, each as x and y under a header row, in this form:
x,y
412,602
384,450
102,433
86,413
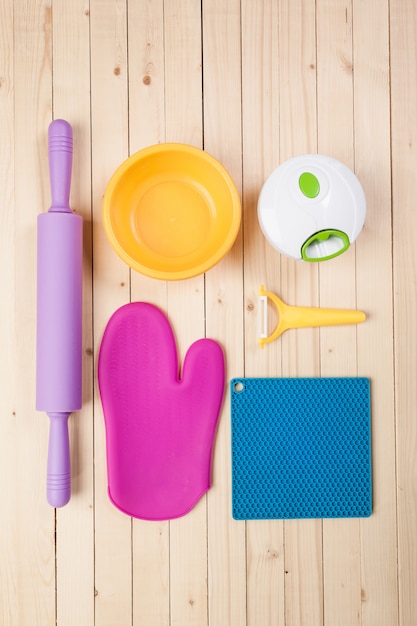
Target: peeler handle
x,y
59,464
60,164
310,317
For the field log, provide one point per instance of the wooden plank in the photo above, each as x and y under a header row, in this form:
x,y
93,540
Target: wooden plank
x,y
260,127
224,306
183,72
146,73
33,536
260,114
298,135
113,545
185,303
374,295
341,538
75,523
404,141
299,285
150,568
9,566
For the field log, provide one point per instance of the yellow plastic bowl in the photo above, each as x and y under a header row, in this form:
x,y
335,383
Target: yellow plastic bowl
x,y
171,211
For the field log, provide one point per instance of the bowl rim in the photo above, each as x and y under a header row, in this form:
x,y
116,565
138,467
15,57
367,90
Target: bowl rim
x,y
220,252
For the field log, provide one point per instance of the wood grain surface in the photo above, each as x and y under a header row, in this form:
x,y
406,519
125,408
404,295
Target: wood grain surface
x,y
253,83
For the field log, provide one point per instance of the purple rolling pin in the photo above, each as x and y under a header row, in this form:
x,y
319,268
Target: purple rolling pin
x,y
59,313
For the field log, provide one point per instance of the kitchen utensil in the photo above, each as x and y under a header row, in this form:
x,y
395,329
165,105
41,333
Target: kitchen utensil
x,y
160,426
171,211
299,316
301,448
311,208
59,310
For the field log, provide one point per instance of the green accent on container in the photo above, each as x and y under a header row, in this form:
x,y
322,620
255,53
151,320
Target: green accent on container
x,y
322,236
309,185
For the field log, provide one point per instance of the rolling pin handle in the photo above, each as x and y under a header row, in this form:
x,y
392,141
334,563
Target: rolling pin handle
x,y
60,164
59,464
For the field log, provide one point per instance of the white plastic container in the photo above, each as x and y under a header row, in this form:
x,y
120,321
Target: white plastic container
x,y
312,208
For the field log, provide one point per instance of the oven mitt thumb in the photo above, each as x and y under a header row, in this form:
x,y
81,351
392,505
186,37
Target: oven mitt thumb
x,y
160,428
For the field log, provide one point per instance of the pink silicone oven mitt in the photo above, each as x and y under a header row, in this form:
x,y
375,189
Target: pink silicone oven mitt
x,y
160,428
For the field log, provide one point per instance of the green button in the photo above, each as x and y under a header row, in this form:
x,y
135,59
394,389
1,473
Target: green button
x,y
309,185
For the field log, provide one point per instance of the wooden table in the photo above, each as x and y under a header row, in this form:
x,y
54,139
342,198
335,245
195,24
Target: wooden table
x,y
253,83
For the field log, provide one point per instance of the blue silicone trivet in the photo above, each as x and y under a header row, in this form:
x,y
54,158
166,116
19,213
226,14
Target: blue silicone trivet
x,y
300,448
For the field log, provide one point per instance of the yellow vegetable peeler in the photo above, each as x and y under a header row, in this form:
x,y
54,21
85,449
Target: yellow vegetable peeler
x,y
300,316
